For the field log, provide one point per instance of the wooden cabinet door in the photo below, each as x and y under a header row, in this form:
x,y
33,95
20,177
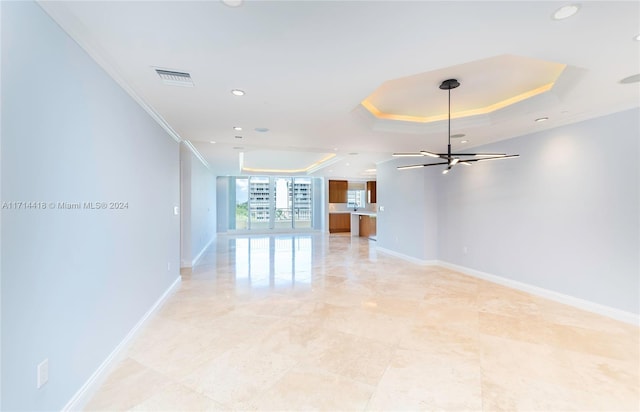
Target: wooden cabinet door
x,y
364,226
339,222
367,226
371,192
338,191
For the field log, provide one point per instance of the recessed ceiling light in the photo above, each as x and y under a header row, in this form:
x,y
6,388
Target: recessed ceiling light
x,y
542,119
631,79
464,141
370,170
237,128
232,3
637,37
261,129
212,142
237,92
566,11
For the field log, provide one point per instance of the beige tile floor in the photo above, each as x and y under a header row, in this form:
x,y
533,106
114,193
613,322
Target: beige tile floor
x,y
317,322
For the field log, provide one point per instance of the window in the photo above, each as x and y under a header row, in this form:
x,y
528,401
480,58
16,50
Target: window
x,y
263,202
355,198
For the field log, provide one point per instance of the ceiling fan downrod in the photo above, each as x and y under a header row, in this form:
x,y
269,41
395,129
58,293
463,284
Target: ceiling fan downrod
x,y
448,85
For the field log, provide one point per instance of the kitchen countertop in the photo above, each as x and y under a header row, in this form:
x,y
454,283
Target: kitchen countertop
x,y
364,213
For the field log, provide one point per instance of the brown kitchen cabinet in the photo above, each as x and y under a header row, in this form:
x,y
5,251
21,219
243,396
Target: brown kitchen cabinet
x,y
367,226
339,222
338,191
371,192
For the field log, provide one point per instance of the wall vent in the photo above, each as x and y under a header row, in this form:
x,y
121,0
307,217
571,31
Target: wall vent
x,y
175,78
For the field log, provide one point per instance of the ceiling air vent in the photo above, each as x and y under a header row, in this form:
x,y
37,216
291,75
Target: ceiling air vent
x,y
175,78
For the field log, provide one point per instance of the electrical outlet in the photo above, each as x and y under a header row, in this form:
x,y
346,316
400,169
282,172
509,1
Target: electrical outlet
x,y
43,373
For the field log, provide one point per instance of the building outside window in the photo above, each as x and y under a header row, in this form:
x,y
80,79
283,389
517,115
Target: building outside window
x,y
263,202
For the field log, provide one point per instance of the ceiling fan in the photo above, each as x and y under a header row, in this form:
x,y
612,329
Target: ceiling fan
x,y
452,159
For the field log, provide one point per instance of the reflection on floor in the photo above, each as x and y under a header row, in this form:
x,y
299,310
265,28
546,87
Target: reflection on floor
x,y
316,322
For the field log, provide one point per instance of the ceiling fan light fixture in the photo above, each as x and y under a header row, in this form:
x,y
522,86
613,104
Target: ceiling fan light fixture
x,y
451,159
410,167
430,154
407,155
237,92
497,158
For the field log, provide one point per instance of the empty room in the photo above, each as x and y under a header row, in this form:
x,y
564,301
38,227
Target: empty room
x,y
320,205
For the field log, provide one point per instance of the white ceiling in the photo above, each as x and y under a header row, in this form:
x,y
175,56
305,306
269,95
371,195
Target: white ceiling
x,y
306,66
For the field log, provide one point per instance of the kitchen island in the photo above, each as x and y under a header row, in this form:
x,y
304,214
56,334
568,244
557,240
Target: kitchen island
x,y
364,224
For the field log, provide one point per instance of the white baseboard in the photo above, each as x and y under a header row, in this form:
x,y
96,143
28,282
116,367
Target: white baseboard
x,y
84,394
407,257
608,311
199,256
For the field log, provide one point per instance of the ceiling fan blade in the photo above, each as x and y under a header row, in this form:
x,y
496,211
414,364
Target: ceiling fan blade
x,y
430,154
490,154
408,154
479,154
492,158
417,166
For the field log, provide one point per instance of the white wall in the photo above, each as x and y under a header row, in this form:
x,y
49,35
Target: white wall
x,y
409,222
562,217
203,207
223,192
198,204
74,282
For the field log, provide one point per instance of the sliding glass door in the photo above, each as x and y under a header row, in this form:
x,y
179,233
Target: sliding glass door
x,y
260,206
264,203
302,202
284,200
